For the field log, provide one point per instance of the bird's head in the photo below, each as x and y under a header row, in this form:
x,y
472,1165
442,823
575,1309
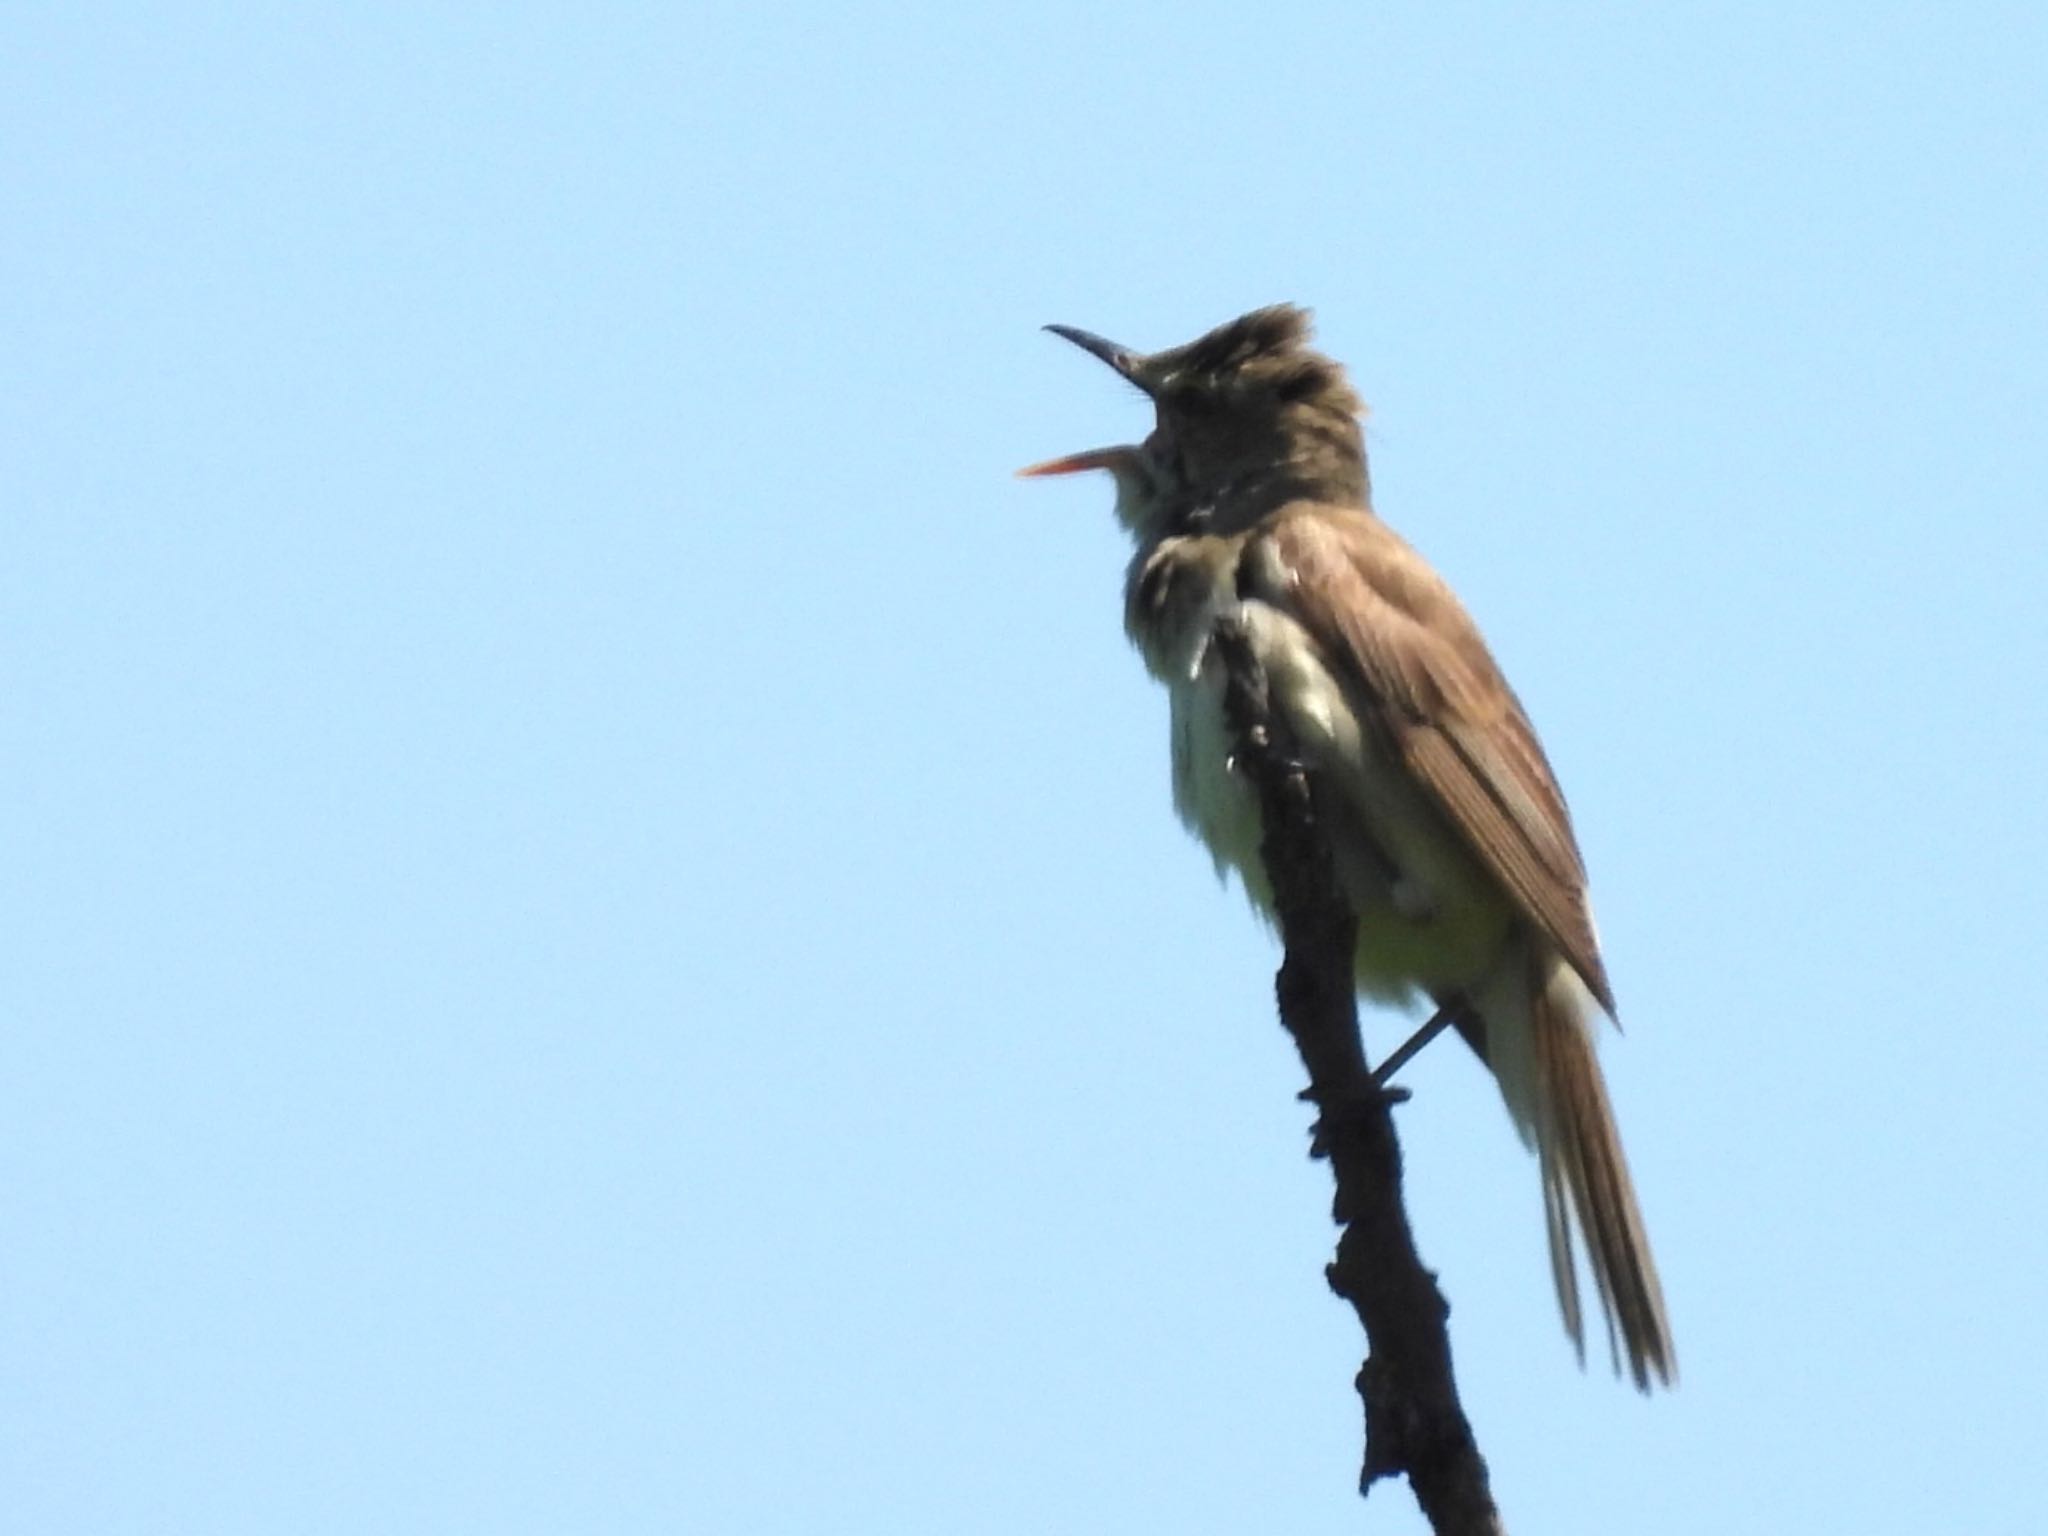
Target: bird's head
x,y
1247,413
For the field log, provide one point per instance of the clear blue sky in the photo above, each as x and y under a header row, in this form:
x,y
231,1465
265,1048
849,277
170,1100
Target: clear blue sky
x,y
593,936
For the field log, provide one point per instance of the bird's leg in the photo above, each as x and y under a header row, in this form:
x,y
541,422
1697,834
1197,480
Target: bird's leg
x,y
1442,1019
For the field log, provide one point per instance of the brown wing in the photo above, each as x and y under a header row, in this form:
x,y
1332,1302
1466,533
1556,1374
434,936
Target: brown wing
x,y
1398,637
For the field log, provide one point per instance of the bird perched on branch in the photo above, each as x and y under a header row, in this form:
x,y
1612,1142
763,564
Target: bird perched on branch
x,y
1450,836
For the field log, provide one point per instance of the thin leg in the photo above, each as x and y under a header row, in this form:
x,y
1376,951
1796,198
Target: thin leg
x,y
1439,1021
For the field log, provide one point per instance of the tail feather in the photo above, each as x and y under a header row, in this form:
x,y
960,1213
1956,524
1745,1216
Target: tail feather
x,y
1564,1262
1586,1179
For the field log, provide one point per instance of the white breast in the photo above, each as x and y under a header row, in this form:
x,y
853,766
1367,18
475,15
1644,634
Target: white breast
x,y
1211,797
1212,800
1431,919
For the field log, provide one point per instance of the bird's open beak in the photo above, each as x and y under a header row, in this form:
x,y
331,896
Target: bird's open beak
x,y
1125,362
1074,463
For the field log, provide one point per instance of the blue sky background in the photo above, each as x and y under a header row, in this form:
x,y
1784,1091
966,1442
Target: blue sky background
x,y
594,940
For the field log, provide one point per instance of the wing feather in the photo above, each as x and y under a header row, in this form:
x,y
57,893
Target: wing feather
x,y
1425,682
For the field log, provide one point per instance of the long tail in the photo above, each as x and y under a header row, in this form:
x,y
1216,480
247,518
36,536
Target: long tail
x,y
1555,1090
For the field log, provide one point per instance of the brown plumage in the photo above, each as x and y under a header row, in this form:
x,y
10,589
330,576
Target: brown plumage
x,y
1414,659
1451,834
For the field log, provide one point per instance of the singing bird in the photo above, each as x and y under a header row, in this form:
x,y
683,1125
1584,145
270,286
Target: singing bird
x,y
1250,498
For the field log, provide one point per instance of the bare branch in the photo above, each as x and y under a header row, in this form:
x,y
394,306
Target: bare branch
x,y
1414,1424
